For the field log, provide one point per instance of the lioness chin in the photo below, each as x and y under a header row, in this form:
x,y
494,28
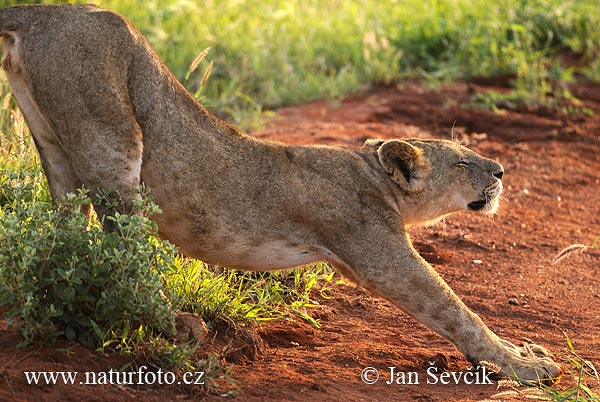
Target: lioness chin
x,y
107,114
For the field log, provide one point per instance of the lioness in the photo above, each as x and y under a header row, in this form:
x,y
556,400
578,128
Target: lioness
x,y
106,113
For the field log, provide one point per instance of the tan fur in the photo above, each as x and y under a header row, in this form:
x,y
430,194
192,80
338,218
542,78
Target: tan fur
x,y
106,113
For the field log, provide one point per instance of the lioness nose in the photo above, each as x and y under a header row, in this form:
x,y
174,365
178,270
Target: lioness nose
x,y
495,168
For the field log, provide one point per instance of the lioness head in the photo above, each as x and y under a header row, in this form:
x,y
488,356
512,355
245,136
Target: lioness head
x,y
438,177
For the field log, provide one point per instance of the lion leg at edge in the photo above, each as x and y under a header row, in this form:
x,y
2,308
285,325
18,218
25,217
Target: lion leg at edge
x,y
395,271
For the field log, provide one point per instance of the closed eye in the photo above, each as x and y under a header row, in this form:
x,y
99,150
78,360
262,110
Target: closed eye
x,y
462,164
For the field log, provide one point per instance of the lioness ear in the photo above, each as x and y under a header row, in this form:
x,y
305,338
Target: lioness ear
x,y
407,164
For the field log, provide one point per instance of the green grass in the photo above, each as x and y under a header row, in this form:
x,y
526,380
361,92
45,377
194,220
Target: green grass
x,y
278,52
214,292
580,382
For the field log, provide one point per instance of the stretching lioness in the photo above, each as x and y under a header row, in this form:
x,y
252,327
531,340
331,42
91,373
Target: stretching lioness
x,y
106,113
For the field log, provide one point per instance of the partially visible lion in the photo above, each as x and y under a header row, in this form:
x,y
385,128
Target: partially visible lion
x,y
106,113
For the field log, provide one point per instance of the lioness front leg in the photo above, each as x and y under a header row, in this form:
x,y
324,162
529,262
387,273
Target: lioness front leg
x,y
395,271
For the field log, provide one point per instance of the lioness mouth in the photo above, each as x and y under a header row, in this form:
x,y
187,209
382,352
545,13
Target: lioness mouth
x,y
477,205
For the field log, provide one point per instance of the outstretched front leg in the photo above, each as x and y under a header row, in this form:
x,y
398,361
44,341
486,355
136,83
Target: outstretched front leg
x,y
390,267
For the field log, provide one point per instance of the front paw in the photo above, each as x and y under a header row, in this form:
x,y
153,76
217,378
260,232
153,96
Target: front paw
x,y
530,362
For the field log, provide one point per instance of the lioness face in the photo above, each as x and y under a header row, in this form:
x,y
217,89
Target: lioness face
x,y
474,181
441,174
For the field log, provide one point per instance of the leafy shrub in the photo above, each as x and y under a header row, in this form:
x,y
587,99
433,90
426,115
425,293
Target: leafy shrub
x,y
61,277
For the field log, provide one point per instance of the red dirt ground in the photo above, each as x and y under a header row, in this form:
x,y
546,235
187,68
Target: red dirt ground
x,y
500,267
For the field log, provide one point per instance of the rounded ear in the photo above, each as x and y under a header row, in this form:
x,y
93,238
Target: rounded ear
x,y
406,164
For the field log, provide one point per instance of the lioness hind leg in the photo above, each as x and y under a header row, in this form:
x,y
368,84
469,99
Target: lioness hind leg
x,y
59,171
83,124
108,162
103,151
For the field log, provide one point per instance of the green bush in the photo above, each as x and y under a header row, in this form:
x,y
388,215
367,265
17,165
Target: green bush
x,y
61,277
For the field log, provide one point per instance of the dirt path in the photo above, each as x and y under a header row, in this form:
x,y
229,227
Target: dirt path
x,y
500,267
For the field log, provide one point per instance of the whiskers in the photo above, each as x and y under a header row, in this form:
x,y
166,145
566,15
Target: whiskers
x,y
454,138
502,201
454,134
493,215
